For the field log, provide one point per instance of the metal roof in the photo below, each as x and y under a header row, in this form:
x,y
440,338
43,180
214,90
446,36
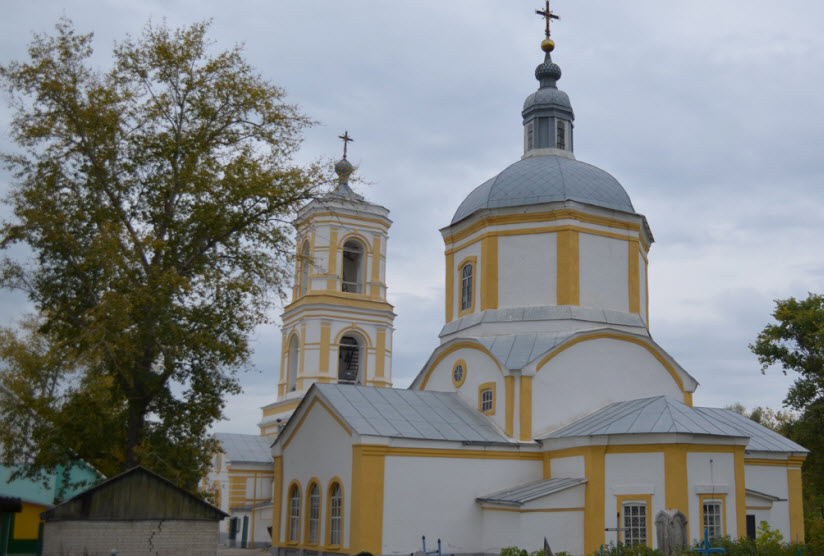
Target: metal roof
x,y
520,495
661,414
245,448
545,179
409,414
764,495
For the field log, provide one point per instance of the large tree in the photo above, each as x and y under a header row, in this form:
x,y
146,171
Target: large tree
x,y
154,199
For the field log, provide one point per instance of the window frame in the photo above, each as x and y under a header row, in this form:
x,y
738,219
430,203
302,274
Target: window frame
x,y
721,500
312,488
472,285
293,525
629,500
487,386
462,364
335,481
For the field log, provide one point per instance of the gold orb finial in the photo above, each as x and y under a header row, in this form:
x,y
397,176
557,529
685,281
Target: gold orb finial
x,y
547,45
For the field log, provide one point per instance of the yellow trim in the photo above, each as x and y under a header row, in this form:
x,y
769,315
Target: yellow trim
x,y
325,333
459,383
547,464
27,522
621,338
677,495
302,352
525,409
795,502
474,262
450,286
462,454
306,413
380,354
453,348
702,498
688,398
492,386
646,290
329,546
306,246
316,482
366,529
646,499
489,273
294,484
274,409
374,288
760,508
339,217
594,521
542,510
634,278
568,290
792,461
353,300
332,259
509,387
740,492
538,217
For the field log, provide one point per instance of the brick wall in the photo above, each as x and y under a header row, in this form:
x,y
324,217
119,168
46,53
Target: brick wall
x,y
130,538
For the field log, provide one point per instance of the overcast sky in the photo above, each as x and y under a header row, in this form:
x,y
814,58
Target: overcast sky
x,y
709,113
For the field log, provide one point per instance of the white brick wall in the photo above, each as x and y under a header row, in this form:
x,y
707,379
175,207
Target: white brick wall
x,y
130,538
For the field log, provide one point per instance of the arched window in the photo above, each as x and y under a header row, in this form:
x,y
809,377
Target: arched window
x,y
313,529
304,269
466,287
293,365
335,514
349,357
294,514
352,272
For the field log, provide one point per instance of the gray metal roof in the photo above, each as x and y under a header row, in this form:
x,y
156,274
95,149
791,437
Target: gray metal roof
x,y
245,448
665,415
520,495
408,414
545,179
763,495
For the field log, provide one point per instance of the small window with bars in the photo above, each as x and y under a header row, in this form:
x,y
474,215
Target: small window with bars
x,y
487,400
635,523
713,518
560,142
335,515
314,515
466,287
294,514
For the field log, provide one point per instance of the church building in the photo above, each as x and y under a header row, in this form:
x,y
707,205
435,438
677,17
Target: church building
x,y
547,410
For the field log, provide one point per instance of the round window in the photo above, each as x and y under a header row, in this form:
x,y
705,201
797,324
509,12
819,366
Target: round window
x,y
457,373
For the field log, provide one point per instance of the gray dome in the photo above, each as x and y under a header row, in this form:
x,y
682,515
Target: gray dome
x,y
548,95
546,179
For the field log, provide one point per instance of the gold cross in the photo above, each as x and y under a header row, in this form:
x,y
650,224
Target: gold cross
x,y
548,15
346,140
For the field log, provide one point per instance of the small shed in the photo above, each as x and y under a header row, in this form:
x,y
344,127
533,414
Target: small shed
x,y
135,513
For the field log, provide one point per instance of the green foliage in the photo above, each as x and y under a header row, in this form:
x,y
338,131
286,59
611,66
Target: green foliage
x,y
156,198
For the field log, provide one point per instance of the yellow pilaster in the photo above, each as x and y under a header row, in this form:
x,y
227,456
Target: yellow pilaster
x,y
366,524
380,353
277,498
375,289
677,495
489,273
569,268
450,285
509,385
646,287
594,462
634,277
525,413
741,493
547,465
332,283
796,506
325,334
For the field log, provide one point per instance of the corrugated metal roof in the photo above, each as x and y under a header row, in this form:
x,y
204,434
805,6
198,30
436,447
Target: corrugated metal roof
x,y
520,495
245,448
665,415
399,413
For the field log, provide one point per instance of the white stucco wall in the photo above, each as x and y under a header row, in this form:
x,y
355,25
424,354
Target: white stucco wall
x,y
321,449
709,469
527,270
604,272
634,474
449,486
568,468
770,480
592,374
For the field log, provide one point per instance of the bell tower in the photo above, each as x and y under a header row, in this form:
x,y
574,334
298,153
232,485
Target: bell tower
x,y
338,326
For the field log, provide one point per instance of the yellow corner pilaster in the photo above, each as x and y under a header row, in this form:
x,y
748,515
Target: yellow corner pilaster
x,y
277,498
325,335
569,268
547,461
688,398
677,495
509,386
450,286
366,524
634,277
594,463
375,289
796,505
525,413
332,283
741,493
380,353
646,287
489,273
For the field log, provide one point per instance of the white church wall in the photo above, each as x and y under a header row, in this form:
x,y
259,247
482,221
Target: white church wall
x,y
568,468
628,475
604,271
771,480
450,486
310,454
527,270
593,374
563,530
707,472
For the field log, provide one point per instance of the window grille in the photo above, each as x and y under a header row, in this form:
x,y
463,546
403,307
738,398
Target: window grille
x,y
466,287
335,516
457,374
713,518
635,524
294,514
486,400
561,138
314,514
530,136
